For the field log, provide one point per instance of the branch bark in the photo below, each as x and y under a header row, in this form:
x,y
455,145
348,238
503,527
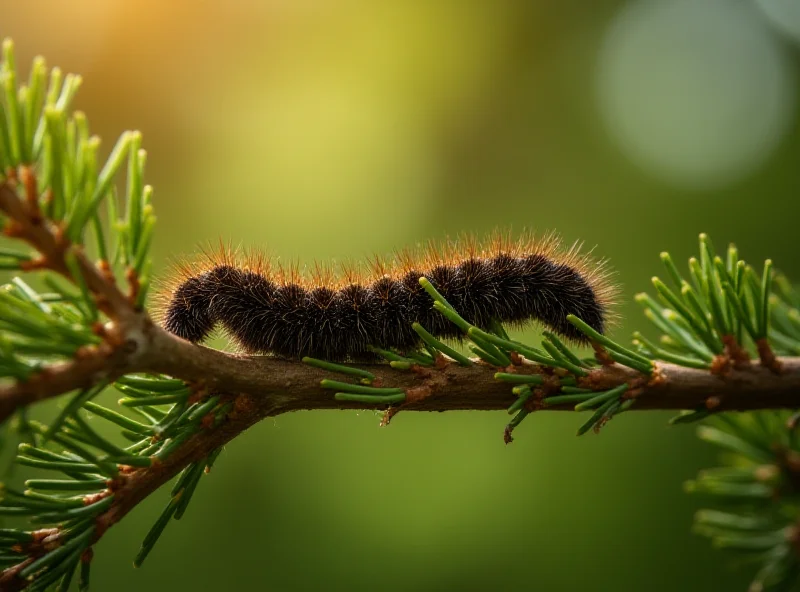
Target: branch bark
x,y
289,385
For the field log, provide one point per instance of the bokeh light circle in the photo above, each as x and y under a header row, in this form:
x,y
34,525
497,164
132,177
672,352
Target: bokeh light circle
x,y
699,94
784,15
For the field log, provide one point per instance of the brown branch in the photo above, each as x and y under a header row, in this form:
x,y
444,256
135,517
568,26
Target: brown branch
x,y
25,222
289,385
92,365
292,386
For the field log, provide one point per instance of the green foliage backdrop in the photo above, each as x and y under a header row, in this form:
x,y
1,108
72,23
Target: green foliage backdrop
x,y
269,150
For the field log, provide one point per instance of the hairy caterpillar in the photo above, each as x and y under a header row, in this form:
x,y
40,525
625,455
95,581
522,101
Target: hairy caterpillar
x,y
269,308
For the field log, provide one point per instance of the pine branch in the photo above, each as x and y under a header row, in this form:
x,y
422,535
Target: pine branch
x,y
28,224
263,387
92,364
132,487
289,385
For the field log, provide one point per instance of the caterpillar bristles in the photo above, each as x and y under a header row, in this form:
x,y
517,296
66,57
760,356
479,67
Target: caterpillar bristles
x,y
269,307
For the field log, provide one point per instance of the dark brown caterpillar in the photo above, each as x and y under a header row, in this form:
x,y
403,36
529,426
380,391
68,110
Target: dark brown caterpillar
x,y
269,309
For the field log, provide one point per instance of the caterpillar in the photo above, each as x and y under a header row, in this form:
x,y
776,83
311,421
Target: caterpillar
x,y
269,308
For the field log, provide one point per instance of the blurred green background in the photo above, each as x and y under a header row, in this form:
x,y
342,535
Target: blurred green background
x,y
337,129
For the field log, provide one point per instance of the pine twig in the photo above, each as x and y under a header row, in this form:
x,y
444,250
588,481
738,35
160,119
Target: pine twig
x,y
290,385
26,223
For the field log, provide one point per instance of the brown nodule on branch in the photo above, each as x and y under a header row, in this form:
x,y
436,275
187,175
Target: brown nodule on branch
x,y
602,355
735,353
767,356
